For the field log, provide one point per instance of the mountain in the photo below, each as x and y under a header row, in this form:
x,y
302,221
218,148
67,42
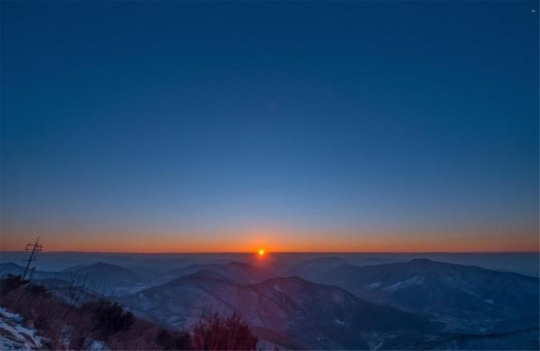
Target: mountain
x,y
311,269
11,268
526,339
290,312
240,272
236,272
15,269
184,270
465,297
104,277
100,277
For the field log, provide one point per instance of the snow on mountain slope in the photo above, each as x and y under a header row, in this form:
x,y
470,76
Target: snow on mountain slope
x,y
14,336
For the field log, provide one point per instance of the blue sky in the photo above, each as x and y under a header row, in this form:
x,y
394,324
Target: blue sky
x,y
350,120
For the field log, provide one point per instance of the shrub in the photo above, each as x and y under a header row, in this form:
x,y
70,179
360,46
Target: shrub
x,y
37,290
10,283
67,326
109,318
177,340
216,333
145,335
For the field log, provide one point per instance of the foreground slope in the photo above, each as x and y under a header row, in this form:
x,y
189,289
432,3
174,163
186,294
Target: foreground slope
x,y
14,335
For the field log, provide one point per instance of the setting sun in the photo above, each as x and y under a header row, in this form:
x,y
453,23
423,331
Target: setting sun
x,y
261,252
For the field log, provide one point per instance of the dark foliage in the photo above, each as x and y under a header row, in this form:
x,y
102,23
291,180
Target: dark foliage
x,y
10,283
109,318
106,321
217,333
176,340
37,290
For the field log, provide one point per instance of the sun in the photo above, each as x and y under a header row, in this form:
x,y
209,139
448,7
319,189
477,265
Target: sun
x,y
261,252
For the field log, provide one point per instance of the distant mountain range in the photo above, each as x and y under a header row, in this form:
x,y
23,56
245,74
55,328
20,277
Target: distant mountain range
x,y
327,303
290,312
236,272
106,275
311,269
462,296
101,277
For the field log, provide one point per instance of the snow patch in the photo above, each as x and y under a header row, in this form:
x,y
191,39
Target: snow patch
x,y
406,283
338,322
14,336
98,346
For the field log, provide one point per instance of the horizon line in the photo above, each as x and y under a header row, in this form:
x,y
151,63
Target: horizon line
x,y
275,252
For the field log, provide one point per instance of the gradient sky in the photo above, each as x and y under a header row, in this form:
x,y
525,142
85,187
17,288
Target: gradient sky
x,y
301,126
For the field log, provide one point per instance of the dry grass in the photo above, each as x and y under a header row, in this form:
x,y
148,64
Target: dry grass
x,y
71,327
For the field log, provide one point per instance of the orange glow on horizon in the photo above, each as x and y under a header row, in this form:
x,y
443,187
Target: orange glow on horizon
x,y
261,242
374,247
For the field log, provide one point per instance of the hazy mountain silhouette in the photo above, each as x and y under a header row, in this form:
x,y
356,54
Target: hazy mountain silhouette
x,y
311,269
11,268
464,293
419,304
290,312
106,278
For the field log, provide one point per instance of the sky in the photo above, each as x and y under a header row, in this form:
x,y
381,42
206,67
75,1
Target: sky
x,y
292,126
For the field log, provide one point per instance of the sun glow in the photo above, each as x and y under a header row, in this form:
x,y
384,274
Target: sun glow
x,y
261,252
